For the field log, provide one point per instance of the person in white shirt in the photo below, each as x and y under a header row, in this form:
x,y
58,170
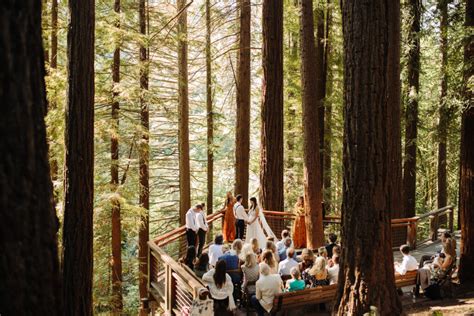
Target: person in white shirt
x,y
191,225
202,229
267,286
409,262
333,270
284,267
221,288
285,233
215,250
241,218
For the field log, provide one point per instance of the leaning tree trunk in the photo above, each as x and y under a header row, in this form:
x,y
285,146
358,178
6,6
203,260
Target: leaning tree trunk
x,y
79,161
271,151
144,198
466,182
117,303
242,132
311,77
411,112
367,280
183,113
29,268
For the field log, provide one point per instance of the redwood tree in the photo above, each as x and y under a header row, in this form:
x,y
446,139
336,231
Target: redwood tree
x,y
29,268
311,77
79,161
210,114
466,183
242,131
271,150
411,111
183,113
367,280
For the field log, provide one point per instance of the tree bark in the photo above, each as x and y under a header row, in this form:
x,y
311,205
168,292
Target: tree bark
x,y
144,198
117,303
271,151
183,113
242,134
311,78
79,161
363,280
466,182
29,268
411,112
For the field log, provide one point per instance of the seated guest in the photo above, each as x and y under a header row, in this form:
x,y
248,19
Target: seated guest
x,y
202,264
250,271
295,283
237,246
307,259
333,271
221,289
271,246
285,266
215,250
269,258
267,286
232,262
332,244
322,252
409,262
281,243
188,260
256,247
286,245
317,275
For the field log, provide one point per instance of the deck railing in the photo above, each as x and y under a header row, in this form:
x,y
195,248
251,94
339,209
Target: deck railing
x,y
173,287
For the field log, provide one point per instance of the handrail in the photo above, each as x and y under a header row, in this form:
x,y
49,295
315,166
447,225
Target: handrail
x,y
446,209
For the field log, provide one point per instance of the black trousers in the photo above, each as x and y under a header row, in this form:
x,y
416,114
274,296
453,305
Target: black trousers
x,y
201,240
239,228
191,237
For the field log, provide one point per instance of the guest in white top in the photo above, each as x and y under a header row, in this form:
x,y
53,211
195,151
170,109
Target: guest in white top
x,y
202,229
284,267
333,270
267,286
285,233
215,250
241,217
191,224
221,288
409,262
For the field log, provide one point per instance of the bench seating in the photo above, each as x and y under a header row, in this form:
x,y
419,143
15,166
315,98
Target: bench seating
x,y
324,294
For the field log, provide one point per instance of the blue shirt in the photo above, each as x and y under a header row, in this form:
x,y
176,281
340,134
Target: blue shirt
x,y
232,263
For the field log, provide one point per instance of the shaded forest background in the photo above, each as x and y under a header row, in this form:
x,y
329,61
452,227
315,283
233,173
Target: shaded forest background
x,y
161,42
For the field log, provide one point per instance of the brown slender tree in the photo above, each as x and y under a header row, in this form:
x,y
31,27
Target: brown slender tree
x,y
116,262
466,183
210,114
363,281
183,113
242,132
271,151
29,268
319,76
411,112
311,77
79,161
144,198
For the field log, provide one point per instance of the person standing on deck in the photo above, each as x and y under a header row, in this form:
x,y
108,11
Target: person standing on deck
x,y
228,227
299,226
202,229
241,217
191,225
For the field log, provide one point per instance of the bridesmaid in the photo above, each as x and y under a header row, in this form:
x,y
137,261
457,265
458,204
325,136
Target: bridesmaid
x,y
299,227
228,228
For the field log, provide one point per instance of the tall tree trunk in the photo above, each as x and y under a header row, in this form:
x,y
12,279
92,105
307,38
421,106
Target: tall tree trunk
x,y
366,209
311,77
466,182
271,152
242,134
183,113
210,116
29,268
79,164
117,304
144,198
411,113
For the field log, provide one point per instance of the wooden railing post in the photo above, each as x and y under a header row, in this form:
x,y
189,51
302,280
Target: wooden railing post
x,y
411,235
451,220
169,289
433,227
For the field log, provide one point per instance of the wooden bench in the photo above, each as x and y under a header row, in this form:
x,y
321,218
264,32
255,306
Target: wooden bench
x,y
324,294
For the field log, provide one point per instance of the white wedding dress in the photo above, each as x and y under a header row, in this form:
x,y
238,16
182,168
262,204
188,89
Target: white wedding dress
x,y
258,229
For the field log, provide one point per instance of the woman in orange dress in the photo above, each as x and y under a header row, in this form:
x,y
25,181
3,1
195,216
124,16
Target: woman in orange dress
x,y
299,227
228,228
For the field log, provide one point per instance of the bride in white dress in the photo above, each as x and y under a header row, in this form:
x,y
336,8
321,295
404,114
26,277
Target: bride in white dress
x,y
257,226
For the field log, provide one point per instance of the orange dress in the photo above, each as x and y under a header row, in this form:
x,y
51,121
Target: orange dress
x,y
299,229
228,228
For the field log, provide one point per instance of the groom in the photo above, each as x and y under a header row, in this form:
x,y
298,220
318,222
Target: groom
x,y
240,218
